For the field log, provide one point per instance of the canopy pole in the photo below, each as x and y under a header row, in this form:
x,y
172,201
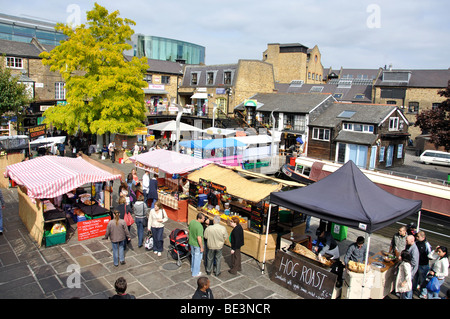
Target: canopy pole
x,y
418,221
365,266
267,236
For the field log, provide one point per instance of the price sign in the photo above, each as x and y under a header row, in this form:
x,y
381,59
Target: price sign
x,y
92,228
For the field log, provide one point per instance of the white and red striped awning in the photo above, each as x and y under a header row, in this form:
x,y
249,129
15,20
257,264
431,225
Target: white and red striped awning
x,y
168,161
51,176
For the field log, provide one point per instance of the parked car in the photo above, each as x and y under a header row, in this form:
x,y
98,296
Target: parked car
x,y
435,157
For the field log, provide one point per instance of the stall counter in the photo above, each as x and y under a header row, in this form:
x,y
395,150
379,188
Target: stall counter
x,y
253,243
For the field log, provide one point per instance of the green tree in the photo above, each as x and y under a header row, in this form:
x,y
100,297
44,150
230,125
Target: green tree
x,y
13,95
104,90
436,122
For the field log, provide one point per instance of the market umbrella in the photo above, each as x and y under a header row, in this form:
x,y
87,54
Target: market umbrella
x,y
172,126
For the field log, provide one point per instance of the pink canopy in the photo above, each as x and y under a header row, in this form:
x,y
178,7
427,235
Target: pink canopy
x,y
51,176
169,161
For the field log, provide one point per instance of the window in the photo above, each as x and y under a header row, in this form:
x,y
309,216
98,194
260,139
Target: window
x,y
148,78
413,107
358,127
60,91
165,79
210,78
194,78
359,96
435,106
321,134
391,102
227,77
337,95
14,63
316,89
309,75
393,124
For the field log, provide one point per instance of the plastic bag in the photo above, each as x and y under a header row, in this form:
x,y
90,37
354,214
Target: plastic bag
x,y
433,285
148,243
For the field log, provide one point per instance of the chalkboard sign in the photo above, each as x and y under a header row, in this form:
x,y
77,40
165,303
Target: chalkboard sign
x,y
298,275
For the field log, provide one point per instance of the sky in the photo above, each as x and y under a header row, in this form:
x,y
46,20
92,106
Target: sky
x,y
350,34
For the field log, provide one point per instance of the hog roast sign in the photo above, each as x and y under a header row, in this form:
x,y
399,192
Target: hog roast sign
x,y
302,277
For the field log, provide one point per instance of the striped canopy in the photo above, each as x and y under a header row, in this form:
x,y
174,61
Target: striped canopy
x,y
51,176
168,161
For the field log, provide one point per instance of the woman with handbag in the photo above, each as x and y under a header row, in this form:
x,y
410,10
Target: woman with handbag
x,y
403,282
439,269
140,214
118,233
156,221
125,212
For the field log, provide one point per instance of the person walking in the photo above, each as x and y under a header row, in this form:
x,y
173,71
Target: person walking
x,y
196,243
112,151
121,290
236,241
156,222
403,282
118,233
215,236
146,185
439,268
2,203
153,191
425,249
124,208
140,209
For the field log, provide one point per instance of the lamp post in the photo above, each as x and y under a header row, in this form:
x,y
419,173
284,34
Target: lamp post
x,y
273,133
180,112
214,113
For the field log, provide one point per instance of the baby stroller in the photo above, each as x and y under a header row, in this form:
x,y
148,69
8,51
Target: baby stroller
x,y
179,248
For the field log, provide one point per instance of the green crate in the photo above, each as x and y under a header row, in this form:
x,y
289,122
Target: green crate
x,y
249,165
54,239
262,164
285,216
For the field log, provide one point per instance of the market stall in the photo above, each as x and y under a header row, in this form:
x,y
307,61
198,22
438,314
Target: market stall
x,y
347,197
226,151
170,167
216,190
44,182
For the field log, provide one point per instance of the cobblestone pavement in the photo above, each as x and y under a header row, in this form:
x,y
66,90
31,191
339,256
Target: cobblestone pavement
x,y
30,272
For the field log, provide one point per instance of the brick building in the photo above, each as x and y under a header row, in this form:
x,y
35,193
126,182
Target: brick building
x,y
412,90
294,62
224,85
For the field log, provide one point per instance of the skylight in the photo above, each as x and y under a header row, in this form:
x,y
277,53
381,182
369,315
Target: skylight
x,y
347,114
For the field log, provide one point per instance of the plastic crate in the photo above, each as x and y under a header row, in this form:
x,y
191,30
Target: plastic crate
x,y
338,232
54,239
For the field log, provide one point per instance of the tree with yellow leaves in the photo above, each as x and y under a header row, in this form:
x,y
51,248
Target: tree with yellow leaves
x,y
104,90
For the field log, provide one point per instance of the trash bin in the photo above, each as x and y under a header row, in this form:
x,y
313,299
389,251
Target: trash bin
x,y
338,232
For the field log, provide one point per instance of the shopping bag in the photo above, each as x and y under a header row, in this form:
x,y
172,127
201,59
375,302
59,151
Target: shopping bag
x,y
433,285
148,242
128,219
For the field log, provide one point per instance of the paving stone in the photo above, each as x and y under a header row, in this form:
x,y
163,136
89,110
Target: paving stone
x,y
50,284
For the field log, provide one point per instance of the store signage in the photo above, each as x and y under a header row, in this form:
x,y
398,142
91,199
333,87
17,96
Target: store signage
x,y
37,131
221,91
302,277
92,228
